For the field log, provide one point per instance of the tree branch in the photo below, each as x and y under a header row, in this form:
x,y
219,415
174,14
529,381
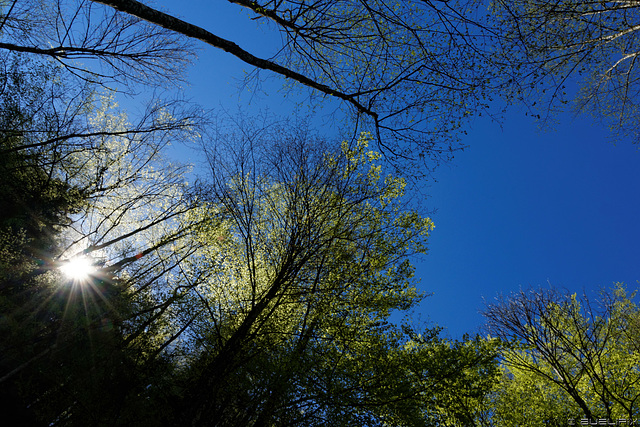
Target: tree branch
x,y
139,10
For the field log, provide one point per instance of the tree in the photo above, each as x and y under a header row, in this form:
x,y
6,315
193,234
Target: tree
x,y
522,397
584,359
34,204
293,227
411,72
115,48
301,263
263,298
552,43
79,179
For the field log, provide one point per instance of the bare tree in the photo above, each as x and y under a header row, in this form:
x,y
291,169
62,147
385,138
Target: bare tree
x,y
555,43
97,44
411,72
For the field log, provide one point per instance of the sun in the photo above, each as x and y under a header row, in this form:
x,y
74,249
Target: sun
x,y
79,269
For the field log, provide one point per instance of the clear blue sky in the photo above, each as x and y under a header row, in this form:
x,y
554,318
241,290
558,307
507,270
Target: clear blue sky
x,y
519,207
522,207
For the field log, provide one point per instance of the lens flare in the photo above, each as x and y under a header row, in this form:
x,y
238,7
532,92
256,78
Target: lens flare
x,y
78,269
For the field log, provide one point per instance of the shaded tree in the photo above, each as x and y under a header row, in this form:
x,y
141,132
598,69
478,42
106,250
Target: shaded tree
x,y
78,177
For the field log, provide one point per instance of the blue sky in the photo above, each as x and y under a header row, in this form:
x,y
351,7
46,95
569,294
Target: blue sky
x,y
518,207
523,207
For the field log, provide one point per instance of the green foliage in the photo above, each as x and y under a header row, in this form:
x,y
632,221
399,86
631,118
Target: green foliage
x,y
36,205
568,359
525,398
267,298
264,300
301,264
